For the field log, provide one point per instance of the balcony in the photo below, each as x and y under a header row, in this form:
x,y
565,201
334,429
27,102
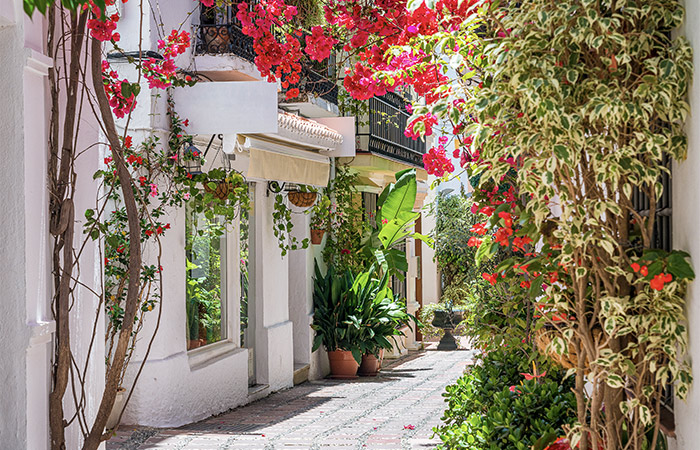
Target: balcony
x,y
219,32
383,132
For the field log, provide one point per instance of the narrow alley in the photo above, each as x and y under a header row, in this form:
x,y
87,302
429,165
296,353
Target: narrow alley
x,y
395,410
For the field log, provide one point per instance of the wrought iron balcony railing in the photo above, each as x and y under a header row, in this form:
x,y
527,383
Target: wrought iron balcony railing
x,y
220,32
384,134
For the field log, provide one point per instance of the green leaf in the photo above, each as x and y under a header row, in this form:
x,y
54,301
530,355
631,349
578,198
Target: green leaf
x,y
398,199
679,267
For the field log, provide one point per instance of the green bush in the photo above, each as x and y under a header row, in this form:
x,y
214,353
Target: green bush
x,y
493,406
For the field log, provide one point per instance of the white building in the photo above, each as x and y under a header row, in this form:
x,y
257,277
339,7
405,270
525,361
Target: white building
x,y
257,350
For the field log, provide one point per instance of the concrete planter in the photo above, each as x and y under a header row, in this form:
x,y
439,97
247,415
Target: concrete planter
x,y
116,409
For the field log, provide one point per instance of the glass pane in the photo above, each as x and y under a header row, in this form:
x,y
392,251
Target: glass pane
x,y
244,261
206,276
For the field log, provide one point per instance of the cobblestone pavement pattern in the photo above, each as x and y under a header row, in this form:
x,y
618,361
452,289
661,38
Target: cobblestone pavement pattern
x,y
396,410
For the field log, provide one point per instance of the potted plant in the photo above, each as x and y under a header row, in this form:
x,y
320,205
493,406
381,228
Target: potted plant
x,y
380,317
320,214
334,308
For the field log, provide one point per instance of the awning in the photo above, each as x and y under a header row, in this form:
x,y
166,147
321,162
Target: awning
x,y
270,165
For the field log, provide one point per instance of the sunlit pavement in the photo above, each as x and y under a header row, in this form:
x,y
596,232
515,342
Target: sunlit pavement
x,y
396,410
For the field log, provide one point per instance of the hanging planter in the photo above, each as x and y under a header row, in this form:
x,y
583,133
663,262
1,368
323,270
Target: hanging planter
x,y
223,188
302,199
317,236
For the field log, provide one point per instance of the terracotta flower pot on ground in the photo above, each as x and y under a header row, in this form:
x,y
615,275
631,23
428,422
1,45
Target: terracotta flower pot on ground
x,y
343,365
317,236
369,367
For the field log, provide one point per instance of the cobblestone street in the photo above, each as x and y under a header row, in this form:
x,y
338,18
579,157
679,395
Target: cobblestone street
x,y
396,410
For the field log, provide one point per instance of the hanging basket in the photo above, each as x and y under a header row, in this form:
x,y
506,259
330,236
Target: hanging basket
x,y
317,236
223,189
302,199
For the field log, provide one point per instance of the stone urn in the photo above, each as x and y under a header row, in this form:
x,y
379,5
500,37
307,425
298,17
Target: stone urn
x,y
448,321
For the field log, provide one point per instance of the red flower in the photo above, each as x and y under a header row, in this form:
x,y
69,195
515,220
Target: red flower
x,y
507,218
560,444
479,229
474,242
488,210
644,271
529,376
635,267
293,93
657,283
491,278
345,251
502,236
525,284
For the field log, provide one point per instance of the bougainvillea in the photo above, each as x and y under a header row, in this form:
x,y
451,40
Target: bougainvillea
x,y
377,35
575,107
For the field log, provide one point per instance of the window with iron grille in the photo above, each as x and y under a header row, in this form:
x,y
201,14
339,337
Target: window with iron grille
x,y
661,238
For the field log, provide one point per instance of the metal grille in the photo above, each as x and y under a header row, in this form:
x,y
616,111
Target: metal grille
x,y
662,235
388,119
220,32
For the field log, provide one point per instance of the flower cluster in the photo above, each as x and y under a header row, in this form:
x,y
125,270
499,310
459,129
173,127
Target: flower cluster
x,y
436,162
278,55
102,27
162,73
122,98
421,126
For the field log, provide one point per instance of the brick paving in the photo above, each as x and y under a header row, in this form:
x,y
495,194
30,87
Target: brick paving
x,y
396,410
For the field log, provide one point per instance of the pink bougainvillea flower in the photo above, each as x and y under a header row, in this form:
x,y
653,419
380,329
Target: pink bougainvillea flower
x,y
409,427
207,3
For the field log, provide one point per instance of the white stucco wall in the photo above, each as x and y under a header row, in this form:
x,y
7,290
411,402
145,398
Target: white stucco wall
x,y
429,275
13,331
274,330
686,208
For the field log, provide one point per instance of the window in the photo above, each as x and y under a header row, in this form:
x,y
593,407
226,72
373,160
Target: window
x,y
244,250
205,250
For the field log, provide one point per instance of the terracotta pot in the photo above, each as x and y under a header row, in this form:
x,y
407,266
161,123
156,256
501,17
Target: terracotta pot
x,y
369,367
343,365
317,236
